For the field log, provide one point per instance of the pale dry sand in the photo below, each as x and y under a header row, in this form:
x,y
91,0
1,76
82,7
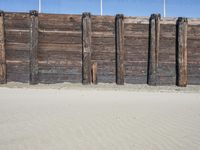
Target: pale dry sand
x,y
99,119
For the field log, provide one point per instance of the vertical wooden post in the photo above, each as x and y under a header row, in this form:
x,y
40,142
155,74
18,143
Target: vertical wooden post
x,y
2,50
33,47
181,57
153,48
120,52
86,51
94,73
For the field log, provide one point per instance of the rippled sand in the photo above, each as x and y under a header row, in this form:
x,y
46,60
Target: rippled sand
x,y
86,119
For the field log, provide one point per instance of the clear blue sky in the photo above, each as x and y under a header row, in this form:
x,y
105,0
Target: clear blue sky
x,y
185,8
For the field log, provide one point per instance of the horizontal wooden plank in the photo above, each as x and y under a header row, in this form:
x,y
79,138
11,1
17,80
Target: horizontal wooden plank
x,y
60,38
136,41
20,24
168,20
103,48
59,55
193,80
193,32
103,41
17,37
166,80
106,78
193,47
103,34
18,72
135,70
63,22
103,56
18,68
60,47
60,70
17,55
136,20
60,63
194,70
136,57
16,16
136,30
136,49
166,57
18,77
168,31
17,46
103,24
65,17
109,19
167,69
193,21
131,79
53,78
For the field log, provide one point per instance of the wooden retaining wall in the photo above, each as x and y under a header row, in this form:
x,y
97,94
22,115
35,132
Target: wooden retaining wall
x,y
55,48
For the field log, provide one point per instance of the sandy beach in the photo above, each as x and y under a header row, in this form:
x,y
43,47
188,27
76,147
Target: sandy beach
x,y
98,119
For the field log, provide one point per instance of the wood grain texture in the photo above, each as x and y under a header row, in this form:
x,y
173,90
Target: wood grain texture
x,y
94,73
61,55
154,49
86,41
33,47
182,24
2,50
120,51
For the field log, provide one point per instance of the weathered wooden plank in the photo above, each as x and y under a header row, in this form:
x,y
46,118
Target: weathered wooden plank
x,y
53,78
33,47
17,46
136,20
120,51
103,40
59,55
2,50
17,71
50,69
136,30
132,79
193,31
153,48
17,36
94,73
60,63
136,41
15,55
60,47
60,23
86,53
167,31
20,24
182,24
167,69
103,24
61,17
60,38
103,48
166,80
103,56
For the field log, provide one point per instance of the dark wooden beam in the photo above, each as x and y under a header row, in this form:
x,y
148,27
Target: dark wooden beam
x,y
86,51
153,48
2,50
120,52
94,73
181,56
33,47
